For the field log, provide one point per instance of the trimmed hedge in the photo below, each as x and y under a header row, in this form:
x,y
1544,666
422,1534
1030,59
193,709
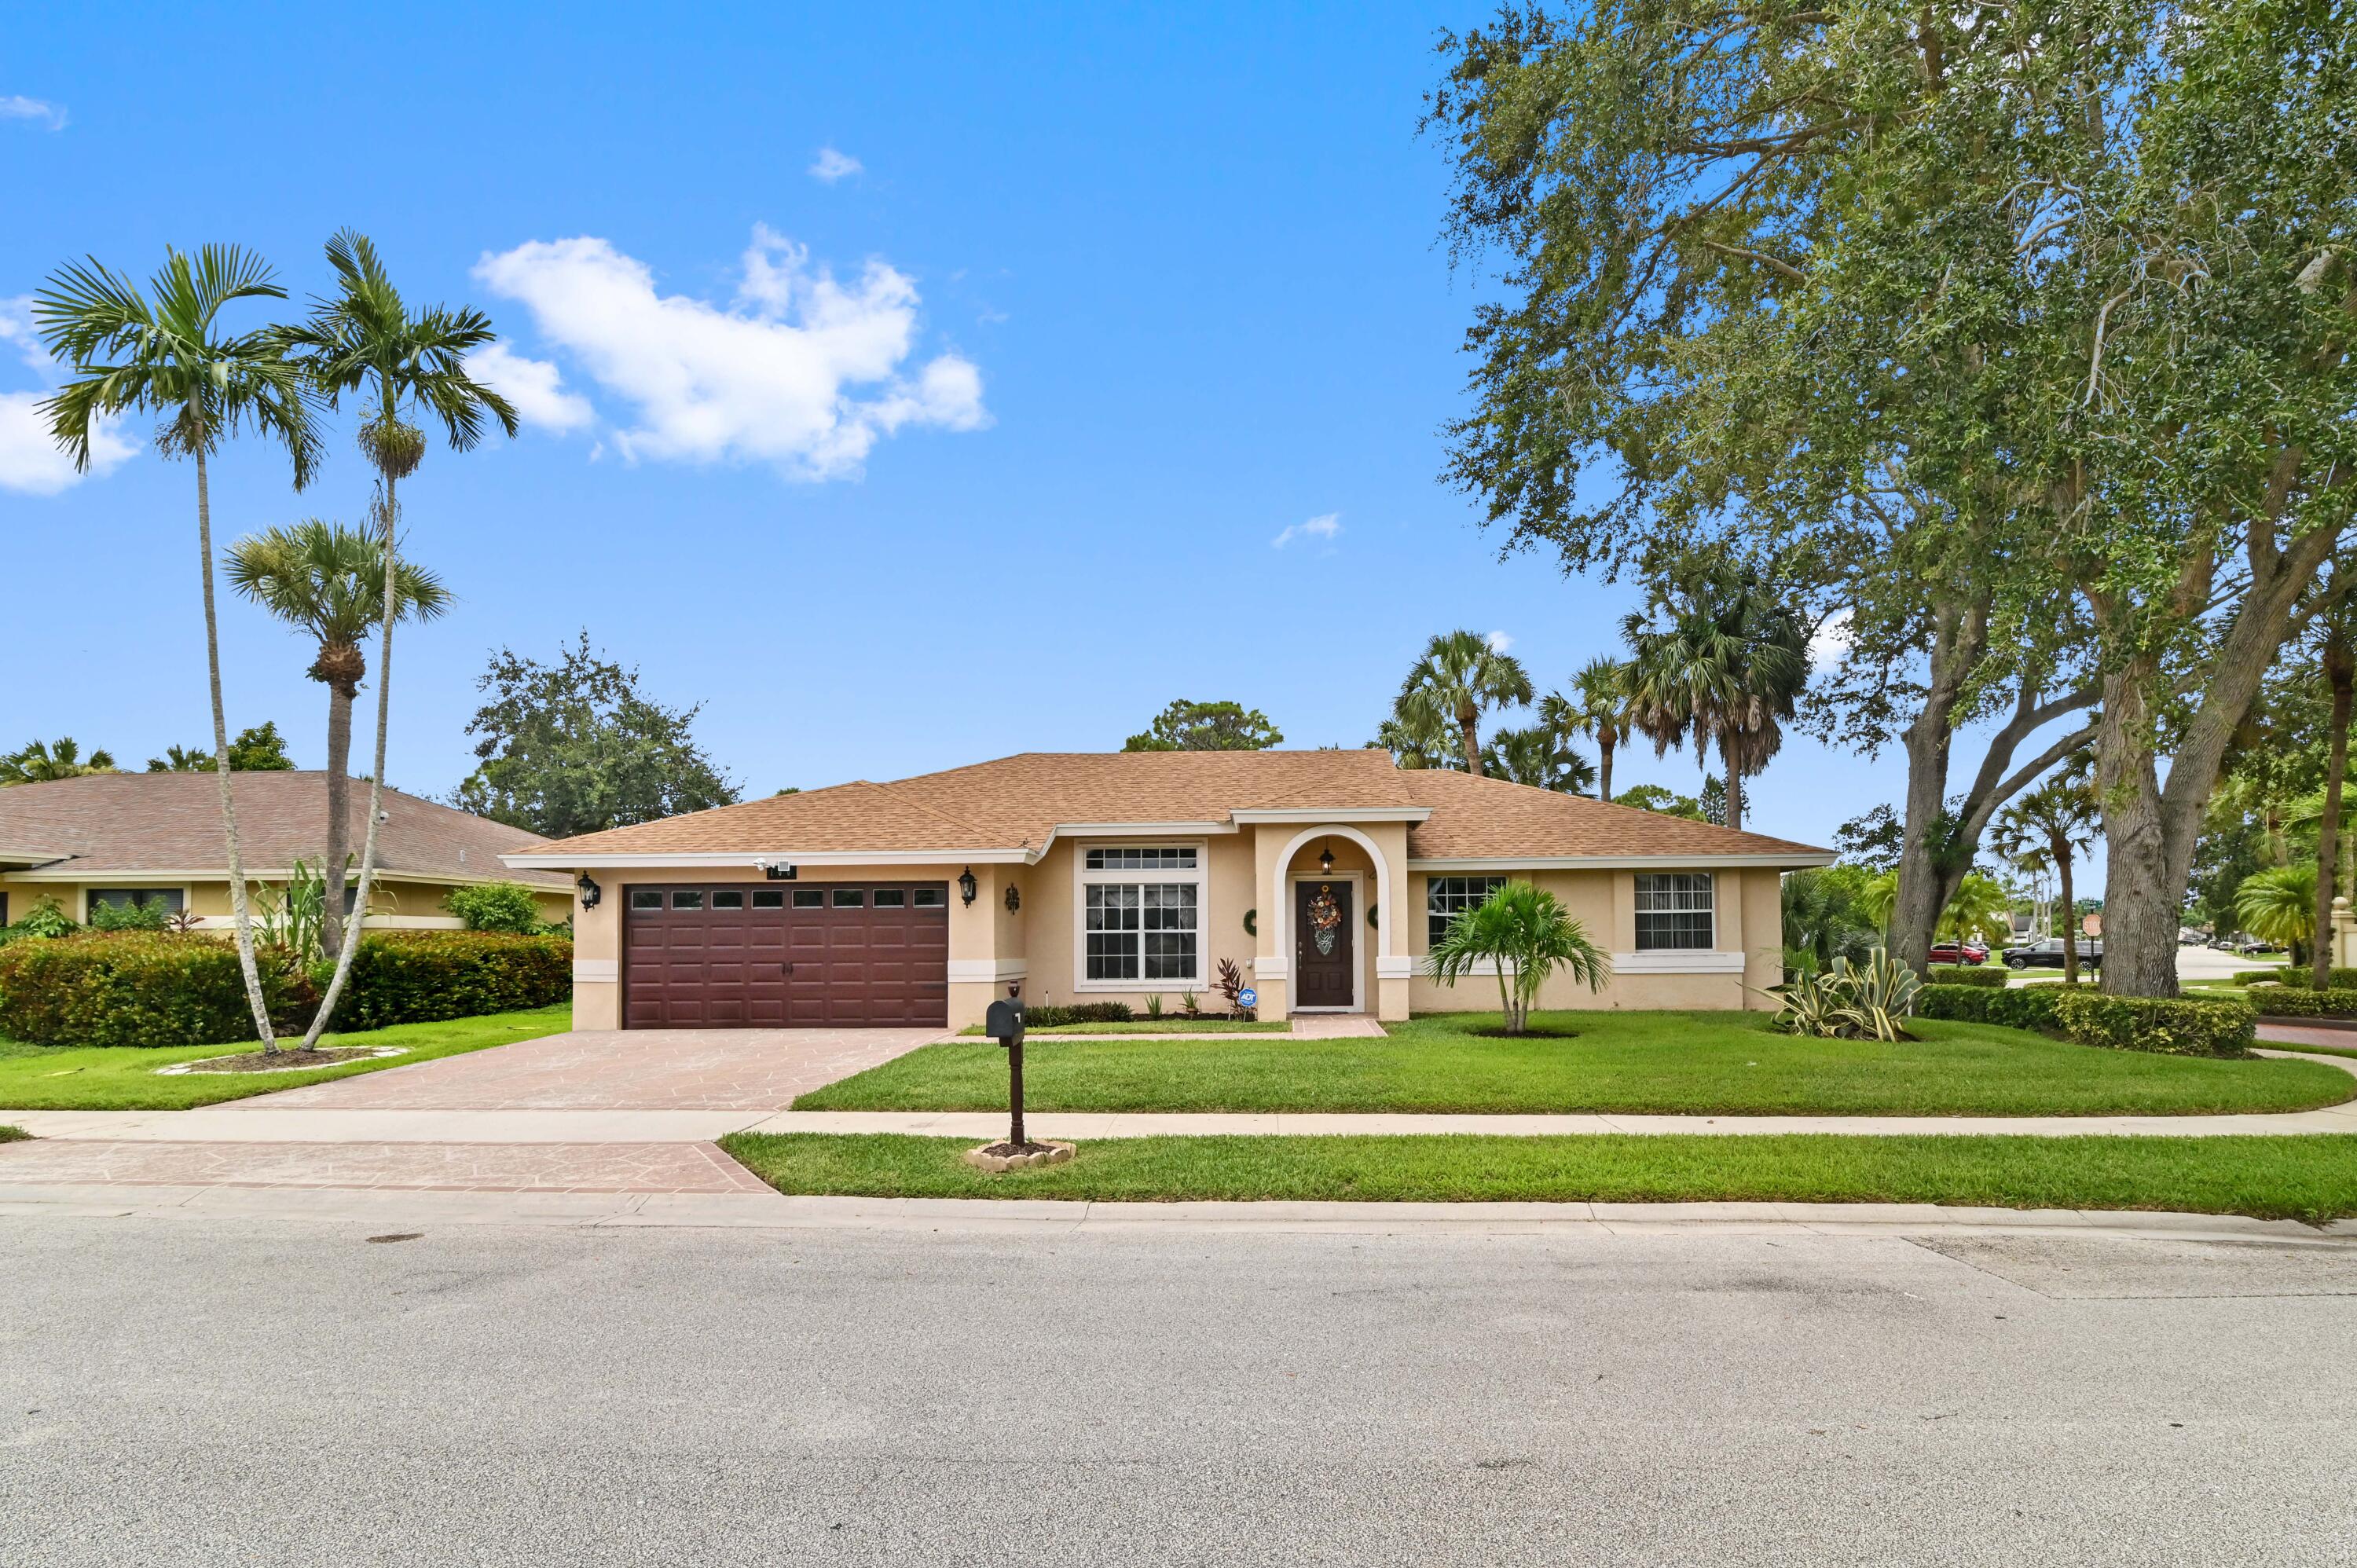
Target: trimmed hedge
x,y
1988,974
417,977
133,988
2283,1001
2294,974
163,988
2172,1026
1048,1016
2015,1007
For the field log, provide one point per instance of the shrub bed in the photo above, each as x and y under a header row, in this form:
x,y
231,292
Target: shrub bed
x,y
2286,1000
162,988
1050,1014
2020,1007
1990,974
2294,974
2180,1025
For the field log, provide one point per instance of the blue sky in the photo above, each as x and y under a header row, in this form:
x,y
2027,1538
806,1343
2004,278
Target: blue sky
x,y
912,385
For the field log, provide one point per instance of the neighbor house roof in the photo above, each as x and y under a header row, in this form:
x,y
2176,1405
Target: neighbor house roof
x,y
1011,809
149,824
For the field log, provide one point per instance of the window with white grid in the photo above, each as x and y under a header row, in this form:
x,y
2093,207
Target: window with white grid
x,y
1141,916
1674,912
1446,897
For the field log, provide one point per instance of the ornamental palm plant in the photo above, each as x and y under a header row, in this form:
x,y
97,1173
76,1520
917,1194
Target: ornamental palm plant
x,y
2278,904
167,356
1981,905
364,338
1523,934
2051,825
1460,676
1715,660
327,581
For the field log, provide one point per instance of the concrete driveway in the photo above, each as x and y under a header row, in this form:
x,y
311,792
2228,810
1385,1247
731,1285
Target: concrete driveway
x,y
616,1069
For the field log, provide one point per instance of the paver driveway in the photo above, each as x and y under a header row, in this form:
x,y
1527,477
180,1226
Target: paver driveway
x,y
615,1070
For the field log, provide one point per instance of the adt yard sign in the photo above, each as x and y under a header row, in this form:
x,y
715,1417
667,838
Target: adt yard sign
x,y
1247,997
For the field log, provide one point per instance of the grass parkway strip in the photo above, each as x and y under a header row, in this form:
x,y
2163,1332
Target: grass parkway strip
x,y
2308,1178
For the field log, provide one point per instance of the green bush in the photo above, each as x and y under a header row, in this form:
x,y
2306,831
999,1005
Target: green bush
x,y
136,988
411,977
128,916
43,920
2285,1001
1988,974
2173,1025
2017,1007
2294,974
509,907
1048,1016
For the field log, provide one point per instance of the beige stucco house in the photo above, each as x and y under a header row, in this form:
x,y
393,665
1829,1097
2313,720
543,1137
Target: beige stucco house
x,y
1322,875
155,838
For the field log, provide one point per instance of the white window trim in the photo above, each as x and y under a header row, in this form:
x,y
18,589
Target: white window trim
x,y
1710,947
1423,913
1358,880
1081,877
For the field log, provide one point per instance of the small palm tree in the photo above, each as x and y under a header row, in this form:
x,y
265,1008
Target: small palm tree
x,y
364,338
1715,660
327,581
1598,707
2050,826
1540,756
168,357
2278,904
41,761
1523,934
1460,677
1412,745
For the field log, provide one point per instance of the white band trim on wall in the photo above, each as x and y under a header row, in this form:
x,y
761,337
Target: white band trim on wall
x,y
596,970
1619,862
972,969
1271,968
1677,964
1395,968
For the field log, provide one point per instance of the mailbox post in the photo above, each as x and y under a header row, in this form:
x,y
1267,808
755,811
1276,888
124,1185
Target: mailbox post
x,y
1004,1024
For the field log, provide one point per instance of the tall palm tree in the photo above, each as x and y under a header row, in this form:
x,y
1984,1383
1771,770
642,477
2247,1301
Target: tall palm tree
x,y
1460,676
168,357
364,338
1715,659
327,580
1598,707
2051,824
366,341
42,760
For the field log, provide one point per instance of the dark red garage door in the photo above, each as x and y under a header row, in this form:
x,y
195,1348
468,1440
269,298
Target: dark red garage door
x,y
739,957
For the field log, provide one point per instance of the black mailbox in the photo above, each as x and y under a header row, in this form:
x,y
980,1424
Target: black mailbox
x,y
1004,1021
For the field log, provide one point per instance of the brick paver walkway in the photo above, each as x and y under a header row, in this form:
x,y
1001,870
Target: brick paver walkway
x,y
614,1069
417,1167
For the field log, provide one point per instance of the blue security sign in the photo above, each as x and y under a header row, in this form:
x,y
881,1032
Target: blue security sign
x,y
1247,997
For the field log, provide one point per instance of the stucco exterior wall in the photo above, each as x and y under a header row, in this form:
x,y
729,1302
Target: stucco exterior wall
x,y
1053,919
398,903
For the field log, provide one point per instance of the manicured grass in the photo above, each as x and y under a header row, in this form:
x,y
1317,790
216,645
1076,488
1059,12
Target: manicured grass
x,y
1150,1026
124,1078
2347,1051
1672,1063
2311,1179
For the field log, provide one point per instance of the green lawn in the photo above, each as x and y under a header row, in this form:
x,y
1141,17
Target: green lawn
x,y
1150,1026
2348,1050
2311,1179
1688,1063
124,1078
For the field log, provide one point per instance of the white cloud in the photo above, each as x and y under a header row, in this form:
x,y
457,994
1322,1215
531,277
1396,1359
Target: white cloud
x,y
17,329
51,117
31,461
776,376
534,386
1499,641
1325,526
1830,640
832,165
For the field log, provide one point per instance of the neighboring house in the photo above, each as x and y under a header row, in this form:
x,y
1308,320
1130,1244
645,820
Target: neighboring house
x,y
1324,874
155,838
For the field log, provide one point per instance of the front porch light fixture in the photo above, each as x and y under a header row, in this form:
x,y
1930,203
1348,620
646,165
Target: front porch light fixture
x,y
1325,857
967,885
591,891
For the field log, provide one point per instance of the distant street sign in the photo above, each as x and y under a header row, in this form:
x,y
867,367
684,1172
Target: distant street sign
x,y
1247,997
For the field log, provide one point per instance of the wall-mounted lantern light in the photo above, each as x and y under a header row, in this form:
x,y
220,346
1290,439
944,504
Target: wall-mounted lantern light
x,y
1014,898
591,891
967,886
1326,858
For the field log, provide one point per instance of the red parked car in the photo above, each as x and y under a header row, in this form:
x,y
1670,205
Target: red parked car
x,y
1959,953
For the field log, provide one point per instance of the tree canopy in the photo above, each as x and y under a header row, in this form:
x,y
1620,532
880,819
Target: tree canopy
x,y
259,748
1187,726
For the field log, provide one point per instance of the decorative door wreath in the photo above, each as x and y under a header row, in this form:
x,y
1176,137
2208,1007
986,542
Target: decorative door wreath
x,y
1325,920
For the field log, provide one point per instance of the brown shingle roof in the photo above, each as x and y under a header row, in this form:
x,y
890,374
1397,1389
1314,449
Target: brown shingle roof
x,y
171,821
1017,802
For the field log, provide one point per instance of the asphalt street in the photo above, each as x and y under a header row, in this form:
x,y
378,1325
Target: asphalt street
x,y
234,1389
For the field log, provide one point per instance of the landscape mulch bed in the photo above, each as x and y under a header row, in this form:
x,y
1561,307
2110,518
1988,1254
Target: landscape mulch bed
x,y
1532,1033
264,1061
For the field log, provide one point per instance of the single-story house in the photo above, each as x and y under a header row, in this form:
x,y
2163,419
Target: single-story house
x,y
1323,876
155,839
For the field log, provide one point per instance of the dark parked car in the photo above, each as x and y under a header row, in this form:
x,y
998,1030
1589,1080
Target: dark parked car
x,y
2048,954
1959,953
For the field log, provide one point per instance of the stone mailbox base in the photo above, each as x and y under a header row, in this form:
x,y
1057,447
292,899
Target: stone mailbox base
x,y
1006,1156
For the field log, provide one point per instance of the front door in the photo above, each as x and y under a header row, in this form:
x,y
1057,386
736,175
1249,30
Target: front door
x,y
1325,956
